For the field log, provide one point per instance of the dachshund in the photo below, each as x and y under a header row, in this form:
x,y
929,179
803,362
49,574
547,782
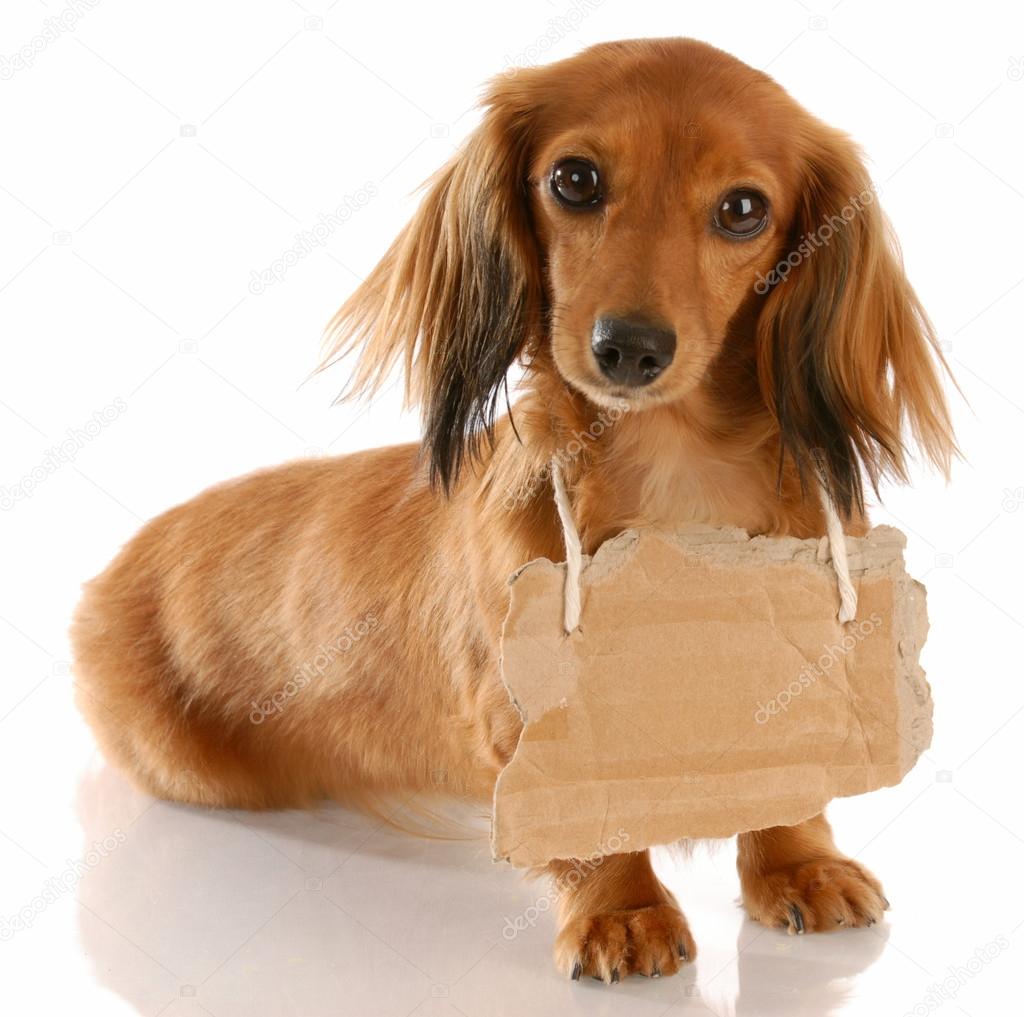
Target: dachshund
x,y
649,234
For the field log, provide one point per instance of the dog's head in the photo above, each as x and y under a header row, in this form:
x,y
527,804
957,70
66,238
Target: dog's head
x,y
633,216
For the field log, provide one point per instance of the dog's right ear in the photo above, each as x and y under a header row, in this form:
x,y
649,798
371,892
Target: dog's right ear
x,y
458,296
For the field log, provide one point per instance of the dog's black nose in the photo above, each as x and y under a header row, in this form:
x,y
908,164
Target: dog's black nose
x,y
631,352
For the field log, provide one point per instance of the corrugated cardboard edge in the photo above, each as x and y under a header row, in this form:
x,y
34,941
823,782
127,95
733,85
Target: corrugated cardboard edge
x,y
879,552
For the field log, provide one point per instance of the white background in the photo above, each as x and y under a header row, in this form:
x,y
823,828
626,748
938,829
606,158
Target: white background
x,y
154,157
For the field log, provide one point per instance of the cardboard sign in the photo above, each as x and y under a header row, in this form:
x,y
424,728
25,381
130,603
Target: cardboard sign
x,y
709,690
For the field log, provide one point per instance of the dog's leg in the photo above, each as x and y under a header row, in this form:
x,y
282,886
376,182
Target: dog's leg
x,y
617,919
796,877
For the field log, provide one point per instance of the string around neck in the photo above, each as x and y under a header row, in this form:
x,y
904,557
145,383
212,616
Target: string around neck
x,y
574,553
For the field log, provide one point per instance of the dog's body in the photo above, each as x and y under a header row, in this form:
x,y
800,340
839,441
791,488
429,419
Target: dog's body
x,y
330,628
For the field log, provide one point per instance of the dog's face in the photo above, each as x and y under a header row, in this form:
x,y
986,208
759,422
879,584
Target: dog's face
x,y
643,220
659,196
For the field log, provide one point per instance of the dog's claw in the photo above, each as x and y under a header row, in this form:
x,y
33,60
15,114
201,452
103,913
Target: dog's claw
x,y
797,919
612,946
886,903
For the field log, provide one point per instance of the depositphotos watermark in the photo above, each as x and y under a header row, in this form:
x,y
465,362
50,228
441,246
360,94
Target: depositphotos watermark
x,y
60,885
1013,498
59,455
559,28
811,242
811,672
309,240
959,975
568,880
565,455
53,28
325,655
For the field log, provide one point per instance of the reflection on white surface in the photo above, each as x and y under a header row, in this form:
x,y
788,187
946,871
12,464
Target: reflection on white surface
x,y
326,913
197,912
134,212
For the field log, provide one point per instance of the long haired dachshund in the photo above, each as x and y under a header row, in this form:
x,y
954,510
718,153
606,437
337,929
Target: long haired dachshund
x,y
651,227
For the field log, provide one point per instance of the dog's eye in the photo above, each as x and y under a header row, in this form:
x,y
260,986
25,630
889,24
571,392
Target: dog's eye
x,y
576,182
742,213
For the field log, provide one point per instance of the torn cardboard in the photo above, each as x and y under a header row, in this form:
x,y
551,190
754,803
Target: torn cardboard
x,y
709,690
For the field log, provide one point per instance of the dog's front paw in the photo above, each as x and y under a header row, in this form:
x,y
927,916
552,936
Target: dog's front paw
x,y
817,895
651,941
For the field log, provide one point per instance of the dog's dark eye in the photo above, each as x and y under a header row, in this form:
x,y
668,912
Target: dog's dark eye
x,y
576,182
742,213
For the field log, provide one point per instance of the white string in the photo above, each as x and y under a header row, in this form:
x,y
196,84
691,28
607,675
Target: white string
x,y
837,545
573,551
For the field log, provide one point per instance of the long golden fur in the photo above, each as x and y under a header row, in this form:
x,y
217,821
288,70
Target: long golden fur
x,y
381,576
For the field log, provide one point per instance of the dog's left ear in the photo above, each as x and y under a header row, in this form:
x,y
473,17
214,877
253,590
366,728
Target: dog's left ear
x,y
458,296
847,358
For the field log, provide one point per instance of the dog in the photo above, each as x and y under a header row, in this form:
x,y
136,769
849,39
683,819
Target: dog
x,y
649,230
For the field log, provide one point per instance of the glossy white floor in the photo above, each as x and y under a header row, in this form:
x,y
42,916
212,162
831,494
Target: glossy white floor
x,y
157,909
160,161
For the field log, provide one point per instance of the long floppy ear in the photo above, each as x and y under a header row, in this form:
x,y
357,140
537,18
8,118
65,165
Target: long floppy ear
x,y
847,359
457,297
